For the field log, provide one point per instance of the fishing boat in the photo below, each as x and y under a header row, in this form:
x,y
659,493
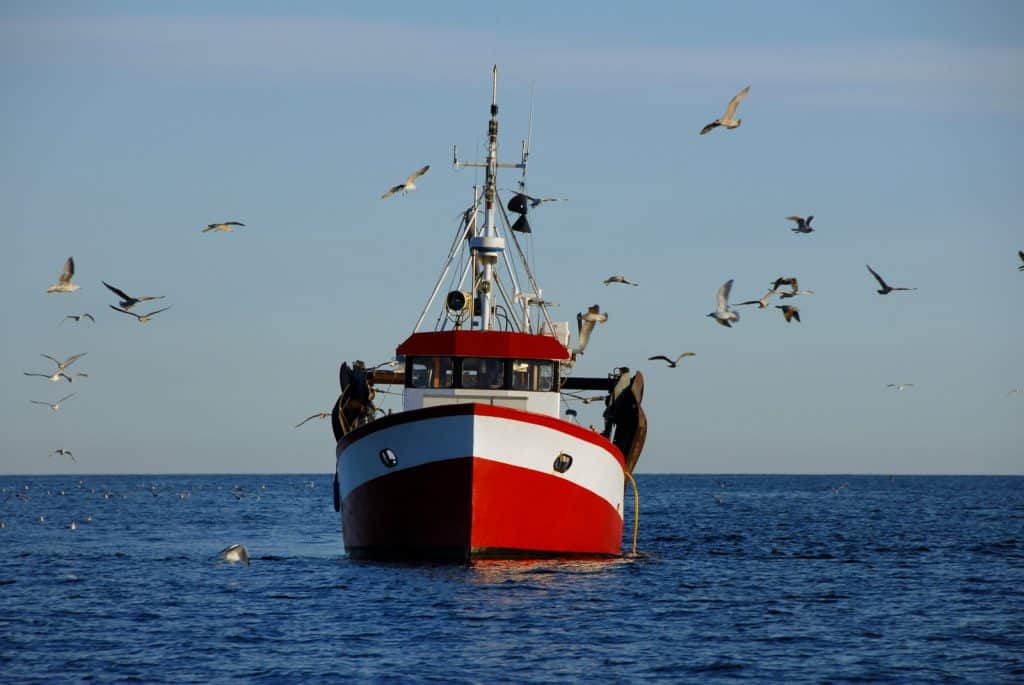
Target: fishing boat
x,y
481,462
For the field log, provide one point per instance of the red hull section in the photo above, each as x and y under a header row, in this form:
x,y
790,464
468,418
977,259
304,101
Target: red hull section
x,y
477,509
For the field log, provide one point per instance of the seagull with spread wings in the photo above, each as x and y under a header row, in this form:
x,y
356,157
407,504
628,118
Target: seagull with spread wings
x,y
60,451
143,318
886,288
223,227
64,284
619,279
802,225
672,363
723,314
585,325
127,301
407,185
900,386
55,406
763,302
54,377
78,317
727,118
62,365
318,415
789,312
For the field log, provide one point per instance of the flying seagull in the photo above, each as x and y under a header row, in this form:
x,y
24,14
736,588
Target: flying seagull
x,y
585,324
127,301
763,302
56,405
802,225
63,453
52,377
409,184
64,284
672,363
78,317
233,554
789,312
723,314
223,227
1020,253
318,415
886,288
900,386
726,119
619,279
144,318
61,365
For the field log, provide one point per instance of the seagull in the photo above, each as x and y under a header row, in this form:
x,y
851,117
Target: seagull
x,y
1020,253
789,312
763,302
802,225
793,293
318,415
723,314
127,301
585,324
233,554
64,453
54,377
538,201
886,288
56,405
672,363
78,317
900,386
144,318
64,284
726,119
1015,391
409,184
223,227
595,398
62,365
619,279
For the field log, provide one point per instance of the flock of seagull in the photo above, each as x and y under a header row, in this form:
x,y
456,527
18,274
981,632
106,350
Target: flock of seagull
x,y
65,284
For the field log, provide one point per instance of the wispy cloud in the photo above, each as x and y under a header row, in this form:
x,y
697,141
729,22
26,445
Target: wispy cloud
x,y
908,75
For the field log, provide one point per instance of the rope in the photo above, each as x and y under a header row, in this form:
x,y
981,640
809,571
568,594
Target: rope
x,y
636,508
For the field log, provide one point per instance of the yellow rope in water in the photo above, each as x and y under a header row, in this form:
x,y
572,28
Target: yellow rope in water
x,y
636,508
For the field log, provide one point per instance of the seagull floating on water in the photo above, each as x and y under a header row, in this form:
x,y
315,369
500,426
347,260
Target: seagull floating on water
x,y
78,317
143,318
619,279
886,288
789,312
56,405
672,363
727,118
64,284
60,451
223,227
127,301
723,314
233,554
318,415
409,184
802,225
585,324
900,386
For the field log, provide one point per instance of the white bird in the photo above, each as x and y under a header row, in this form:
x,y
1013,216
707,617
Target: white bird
x,y
585,324
52,377
64,453
723,314
64,284
407,185
56,405
62,365
223,227
763,302
672,363
143,318
802,225
78,317
619,279
900,386
127,301
318,415
727,118
233,554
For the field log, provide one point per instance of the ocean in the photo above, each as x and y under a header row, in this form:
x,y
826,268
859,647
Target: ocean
x,y
738,579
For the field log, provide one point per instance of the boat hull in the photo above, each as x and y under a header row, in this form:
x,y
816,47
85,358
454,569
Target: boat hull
x,y
475,481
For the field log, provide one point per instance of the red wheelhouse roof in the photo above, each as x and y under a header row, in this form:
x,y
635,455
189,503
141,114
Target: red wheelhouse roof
x,y
483,344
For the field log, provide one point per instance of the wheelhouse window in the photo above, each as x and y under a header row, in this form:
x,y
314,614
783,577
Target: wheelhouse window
x,y
529,374
483,372
431,372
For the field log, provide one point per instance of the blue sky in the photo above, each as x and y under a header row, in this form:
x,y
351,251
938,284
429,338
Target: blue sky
x,y
130,126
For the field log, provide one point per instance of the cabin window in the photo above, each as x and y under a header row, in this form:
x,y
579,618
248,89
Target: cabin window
x,y
431,372
528,374
482,372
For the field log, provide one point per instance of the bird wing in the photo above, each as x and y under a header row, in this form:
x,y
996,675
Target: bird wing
x,y
125,311
158,311
416,174
394,189
1020,253
71,360
233,223
660,356
68,271
710,127
585,327
878,278
53,359
90,317
146,298
735,102
798,219
120,293
723,296
38,402
209,227
685,354
67,397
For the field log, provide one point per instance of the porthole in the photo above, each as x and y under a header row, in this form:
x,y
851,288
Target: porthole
x,y
562,462
388,457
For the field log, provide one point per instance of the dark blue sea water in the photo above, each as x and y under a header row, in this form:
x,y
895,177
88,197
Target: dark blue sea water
x,y
741,578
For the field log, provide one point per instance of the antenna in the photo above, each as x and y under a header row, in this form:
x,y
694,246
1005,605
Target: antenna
x,y
527,142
